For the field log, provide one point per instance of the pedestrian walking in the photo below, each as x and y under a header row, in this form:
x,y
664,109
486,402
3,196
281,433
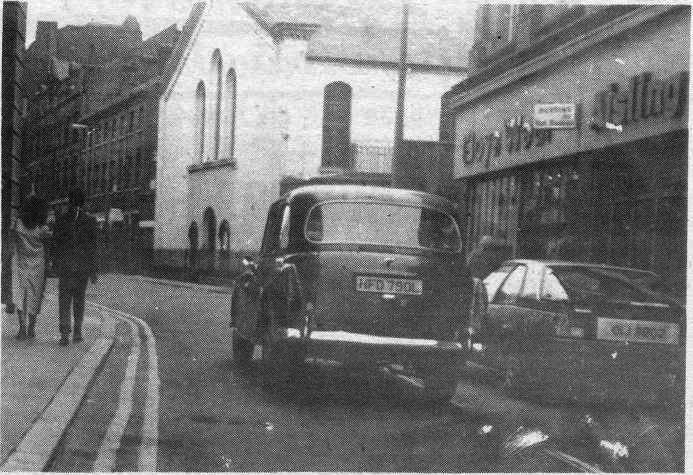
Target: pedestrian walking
x,y
28,235
75,263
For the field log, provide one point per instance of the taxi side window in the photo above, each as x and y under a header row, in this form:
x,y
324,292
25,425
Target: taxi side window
x,y
511,288
270,240
284,230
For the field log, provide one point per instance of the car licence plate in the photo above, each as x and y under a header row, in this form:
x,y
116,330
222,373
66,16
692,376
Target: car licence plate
x,y
389,285
638,331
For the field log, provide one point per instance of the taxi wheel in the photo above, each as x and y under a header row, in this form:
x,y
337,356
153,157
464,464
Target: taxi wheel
x,y
241,348
285,362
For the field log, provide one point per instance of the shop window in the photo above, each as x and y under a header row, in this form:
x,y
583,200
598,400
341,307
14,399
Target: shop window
x,y
494,210
336,121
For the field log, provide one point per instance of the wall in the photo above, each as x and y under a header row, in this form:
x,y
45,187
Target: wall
x,y
13,32
241,189
374,100
278,126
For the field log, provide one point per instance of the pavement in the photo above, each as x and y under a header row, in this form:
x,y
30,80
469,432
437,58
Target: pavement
x,y
43,383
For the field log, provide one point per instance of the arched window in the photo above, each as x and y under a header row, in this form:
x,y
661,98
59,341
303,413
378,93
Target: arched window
x,y
336,119
224,236
200,98
216,65
209,221
230,113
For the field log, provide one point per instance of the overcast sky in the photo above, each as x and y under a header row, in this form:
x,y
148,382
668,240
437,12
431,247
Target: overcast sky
x,y
155,15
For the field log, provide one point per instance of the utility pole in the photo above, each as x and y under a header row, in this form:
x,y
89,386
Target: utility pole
x,y
398,165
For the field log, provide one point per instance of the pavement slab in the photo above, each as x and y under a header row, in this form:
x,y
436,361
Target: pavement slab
x,y
42,383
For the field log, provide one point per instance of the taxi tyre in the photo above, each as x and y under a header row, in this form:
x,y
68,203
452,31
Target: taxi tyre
x,y
282,360
241,349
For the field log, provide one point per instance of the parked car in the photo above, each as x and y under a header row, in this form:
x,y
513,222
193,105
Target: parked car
x,y
364,276
588,332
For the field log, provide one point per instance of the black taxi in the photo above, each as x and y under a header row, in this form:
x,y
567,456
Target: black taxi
x,y
358,275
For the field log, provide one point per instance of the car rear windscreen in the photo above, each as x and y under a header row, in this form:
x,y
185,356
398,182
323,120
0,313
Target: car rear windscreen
x,y
382,224
604,285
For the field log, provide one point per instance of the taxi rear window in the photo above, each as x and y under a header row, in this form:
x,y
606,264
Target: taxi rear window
x,y
382,224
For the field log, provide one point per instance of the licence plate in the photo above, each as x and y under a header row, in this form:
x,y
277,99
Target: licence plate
x,y
638,331
389,285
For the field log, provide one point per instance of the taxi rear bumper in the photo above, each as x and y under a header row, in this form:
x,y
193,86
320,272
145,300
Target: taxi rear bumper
x,y
358,349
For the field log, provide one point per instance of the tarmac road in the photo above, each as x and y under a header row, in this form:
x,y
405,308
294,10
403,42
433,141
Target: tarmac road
x,y
215,416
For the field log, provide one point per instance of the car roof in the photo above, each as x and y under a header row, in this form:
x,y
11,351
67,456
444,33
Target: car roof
x,y
560,263
375,193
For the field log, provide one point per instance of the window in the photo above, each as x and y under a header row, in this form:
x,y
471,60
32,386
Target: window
x,y
224,236
193,236
209,221
494,279
336,121
510,290
138,163
215,119
284,231
495,205
552,289
270,239
502,23
382,224
230,116
554,17
199,120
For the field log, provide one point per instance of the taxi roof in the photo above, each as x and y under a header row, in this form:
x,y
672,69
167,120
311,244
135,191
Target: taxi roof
x,y
375,193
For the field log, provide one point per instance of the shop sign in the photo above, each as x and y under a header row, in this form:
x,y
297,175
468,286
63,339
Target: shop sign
x,y
644,98
517,134
555,116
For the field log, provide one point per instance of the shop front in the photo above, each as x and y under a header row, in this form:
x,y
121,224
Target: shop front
x,y
609,184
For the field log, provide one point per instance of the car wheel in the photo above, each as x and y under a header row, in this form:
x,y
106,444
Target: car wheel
x,y
284,361
241,348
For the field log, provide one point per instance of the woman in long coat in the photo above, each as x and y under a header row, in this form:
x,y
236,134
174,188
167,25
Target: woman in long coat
x,y
29,233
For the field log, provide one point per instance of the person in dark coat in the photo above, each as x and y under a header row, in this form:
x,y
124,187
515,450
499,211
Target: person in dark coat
x,y
74,261
487,256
